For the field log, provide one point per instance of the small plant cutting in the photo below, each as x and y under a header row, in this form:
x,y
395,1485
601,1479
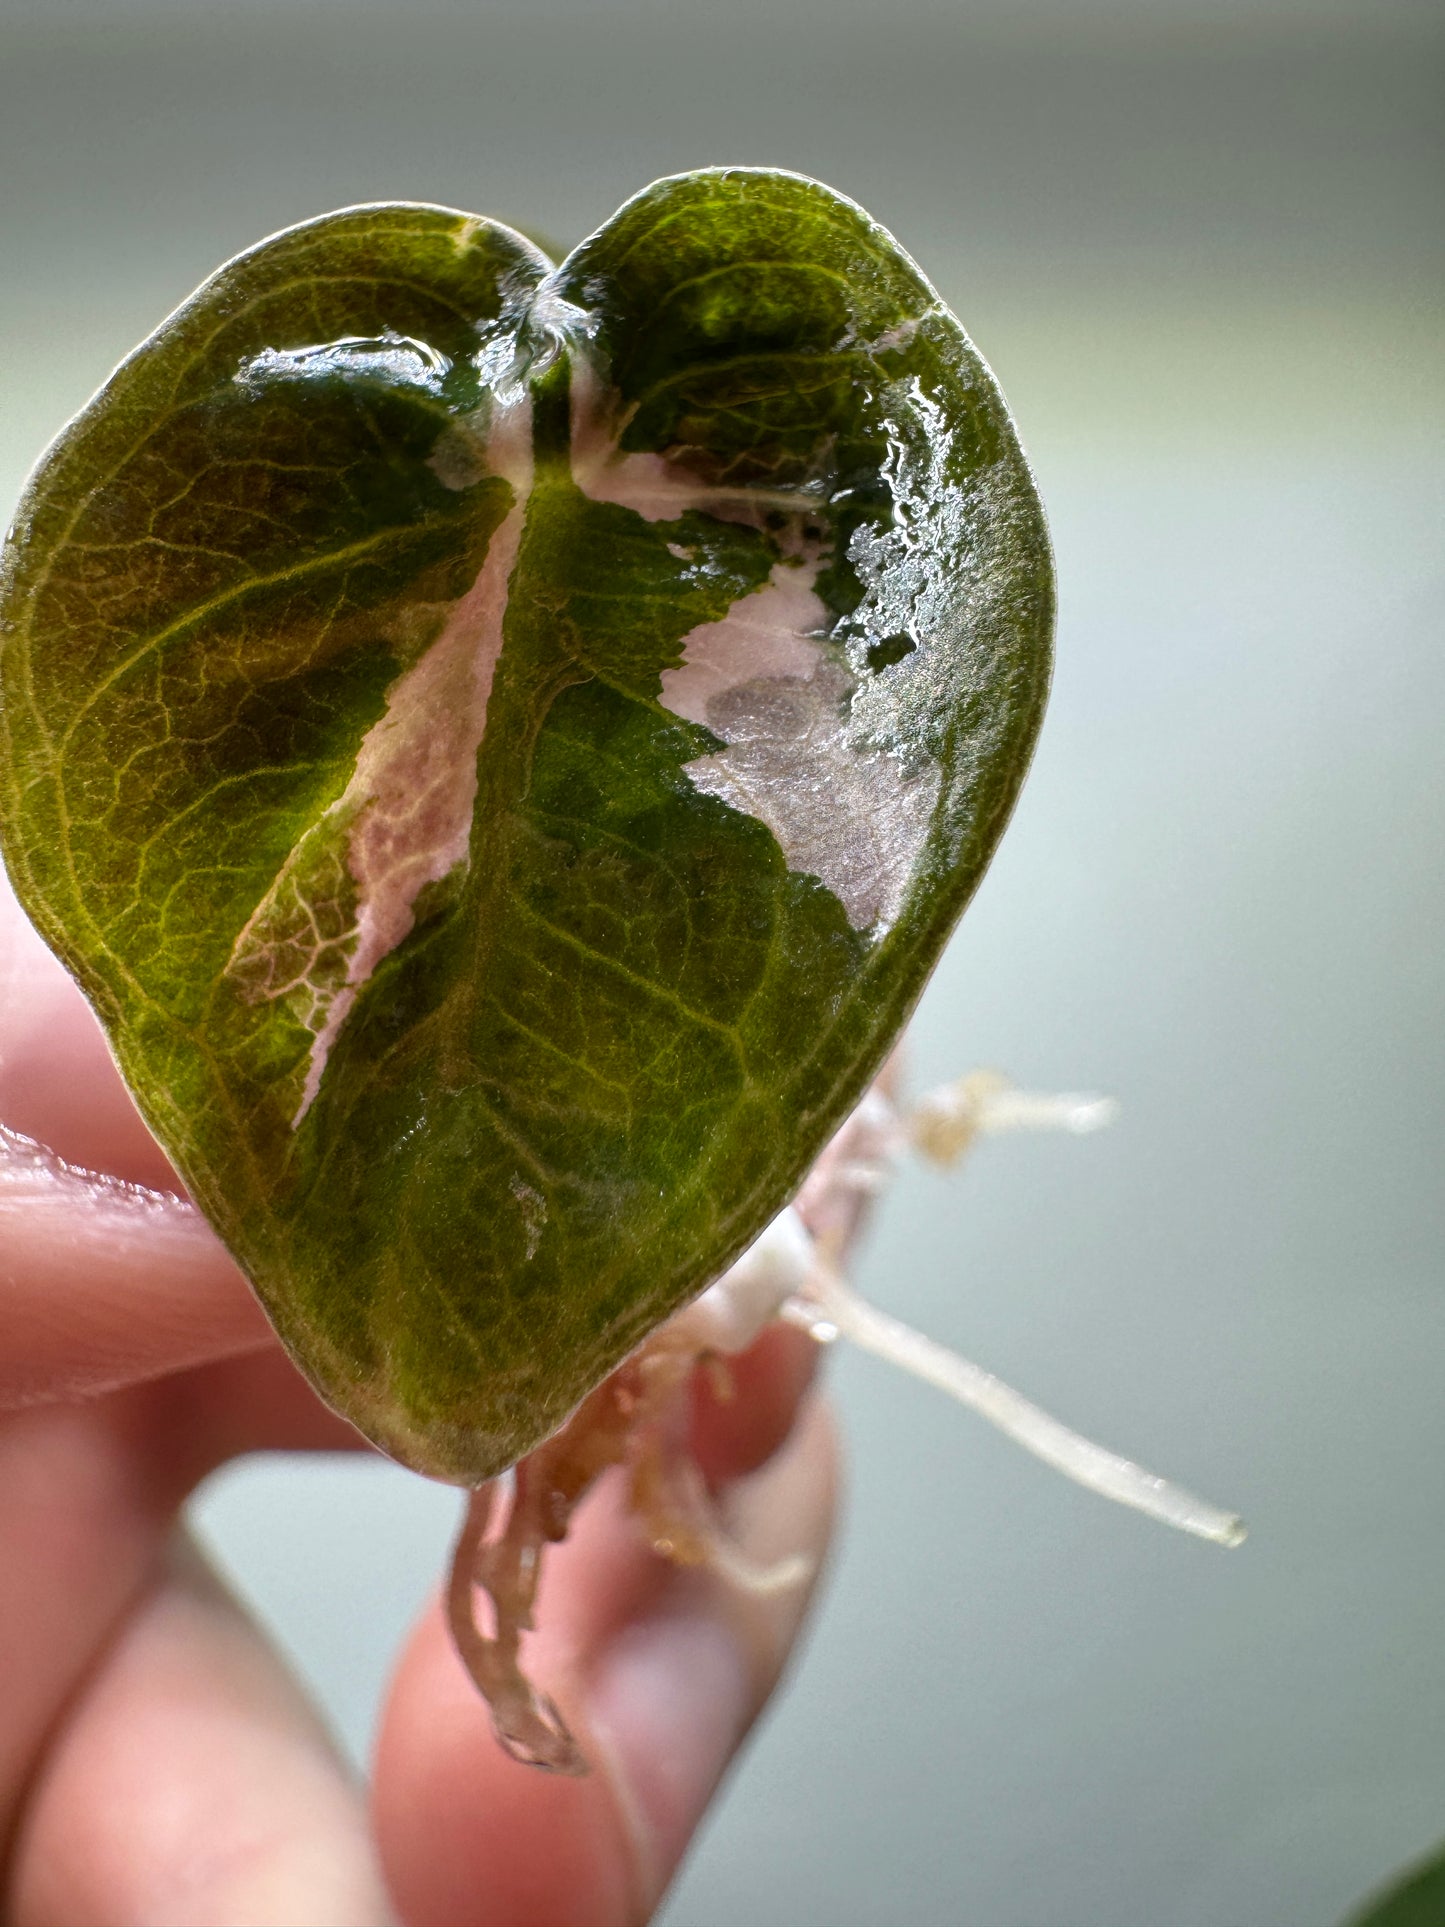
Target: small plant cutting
x,y
502,746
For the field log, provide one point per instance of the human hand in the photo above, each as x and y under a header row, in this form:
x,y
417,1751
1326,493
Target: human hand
x,y
158,1764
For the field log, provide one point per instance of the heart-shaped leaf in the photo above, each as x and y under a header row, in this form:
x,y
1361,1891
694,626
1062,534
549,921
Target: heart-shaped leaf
x,y
502,747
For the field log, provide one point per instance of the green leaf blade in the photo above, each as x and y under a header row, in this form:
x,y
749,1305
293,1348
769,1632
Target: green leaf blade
x,y
502,749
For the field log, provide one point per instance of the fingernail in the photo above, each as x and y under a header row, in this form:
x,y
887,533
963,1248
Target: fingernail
x,y
672,1695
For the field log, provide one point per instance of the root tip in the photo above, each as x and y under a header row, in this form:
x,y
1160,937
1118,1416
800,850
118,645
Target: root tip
x,y
542,1739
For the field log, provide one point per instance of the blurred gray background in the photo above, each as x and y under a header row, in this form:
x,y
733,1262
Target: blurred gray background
x,y
1201,245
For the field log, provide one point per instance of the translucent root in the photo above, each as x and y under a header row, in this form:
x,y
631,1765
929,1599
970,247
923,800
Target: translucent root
x,y
526,1723
671,1497
832,1309
640,1419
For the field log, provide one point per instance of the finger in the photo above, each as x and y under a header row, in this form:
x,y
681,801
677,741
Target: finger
x,y
103,1284
742,1411
660,1671
58,1080
82,1523
88,1494
197,1420
192,1782
715,1645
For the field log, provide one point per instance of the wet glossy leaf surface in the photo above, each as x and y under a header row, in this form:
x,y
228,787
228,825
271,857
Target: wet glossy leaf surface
x,y
502,748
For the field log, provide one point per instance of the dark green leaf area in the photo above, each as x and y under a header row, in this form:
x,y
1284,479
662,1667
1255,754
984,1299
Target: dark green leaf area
x,y
767,334
271,543
232,428
736,267
779,419
214,577
1417,1901
562,1154
616,594
559,1098
270,493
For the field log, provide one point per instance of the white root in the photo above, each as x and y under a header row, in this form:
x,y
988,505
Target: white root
x,y
685,1526
944,1125
795,1271
834,1310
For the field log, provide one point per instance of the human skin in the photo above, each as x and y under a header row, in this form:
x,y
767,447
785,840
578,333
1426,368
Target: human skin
x,y
158,1764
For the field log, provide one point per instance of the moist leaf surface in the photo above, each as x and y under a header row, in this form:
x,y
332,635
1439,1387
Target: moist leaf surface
x,y
502,747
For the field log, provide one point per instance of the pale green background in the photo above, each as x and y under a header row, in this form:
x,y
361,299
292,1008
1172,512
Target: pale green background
x,y
1201,246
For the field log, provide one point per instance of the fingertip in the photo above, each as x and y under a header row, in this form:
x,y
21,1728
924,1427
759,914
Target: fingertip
x,y
674,1693
107,1285
467,1837
660,1671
